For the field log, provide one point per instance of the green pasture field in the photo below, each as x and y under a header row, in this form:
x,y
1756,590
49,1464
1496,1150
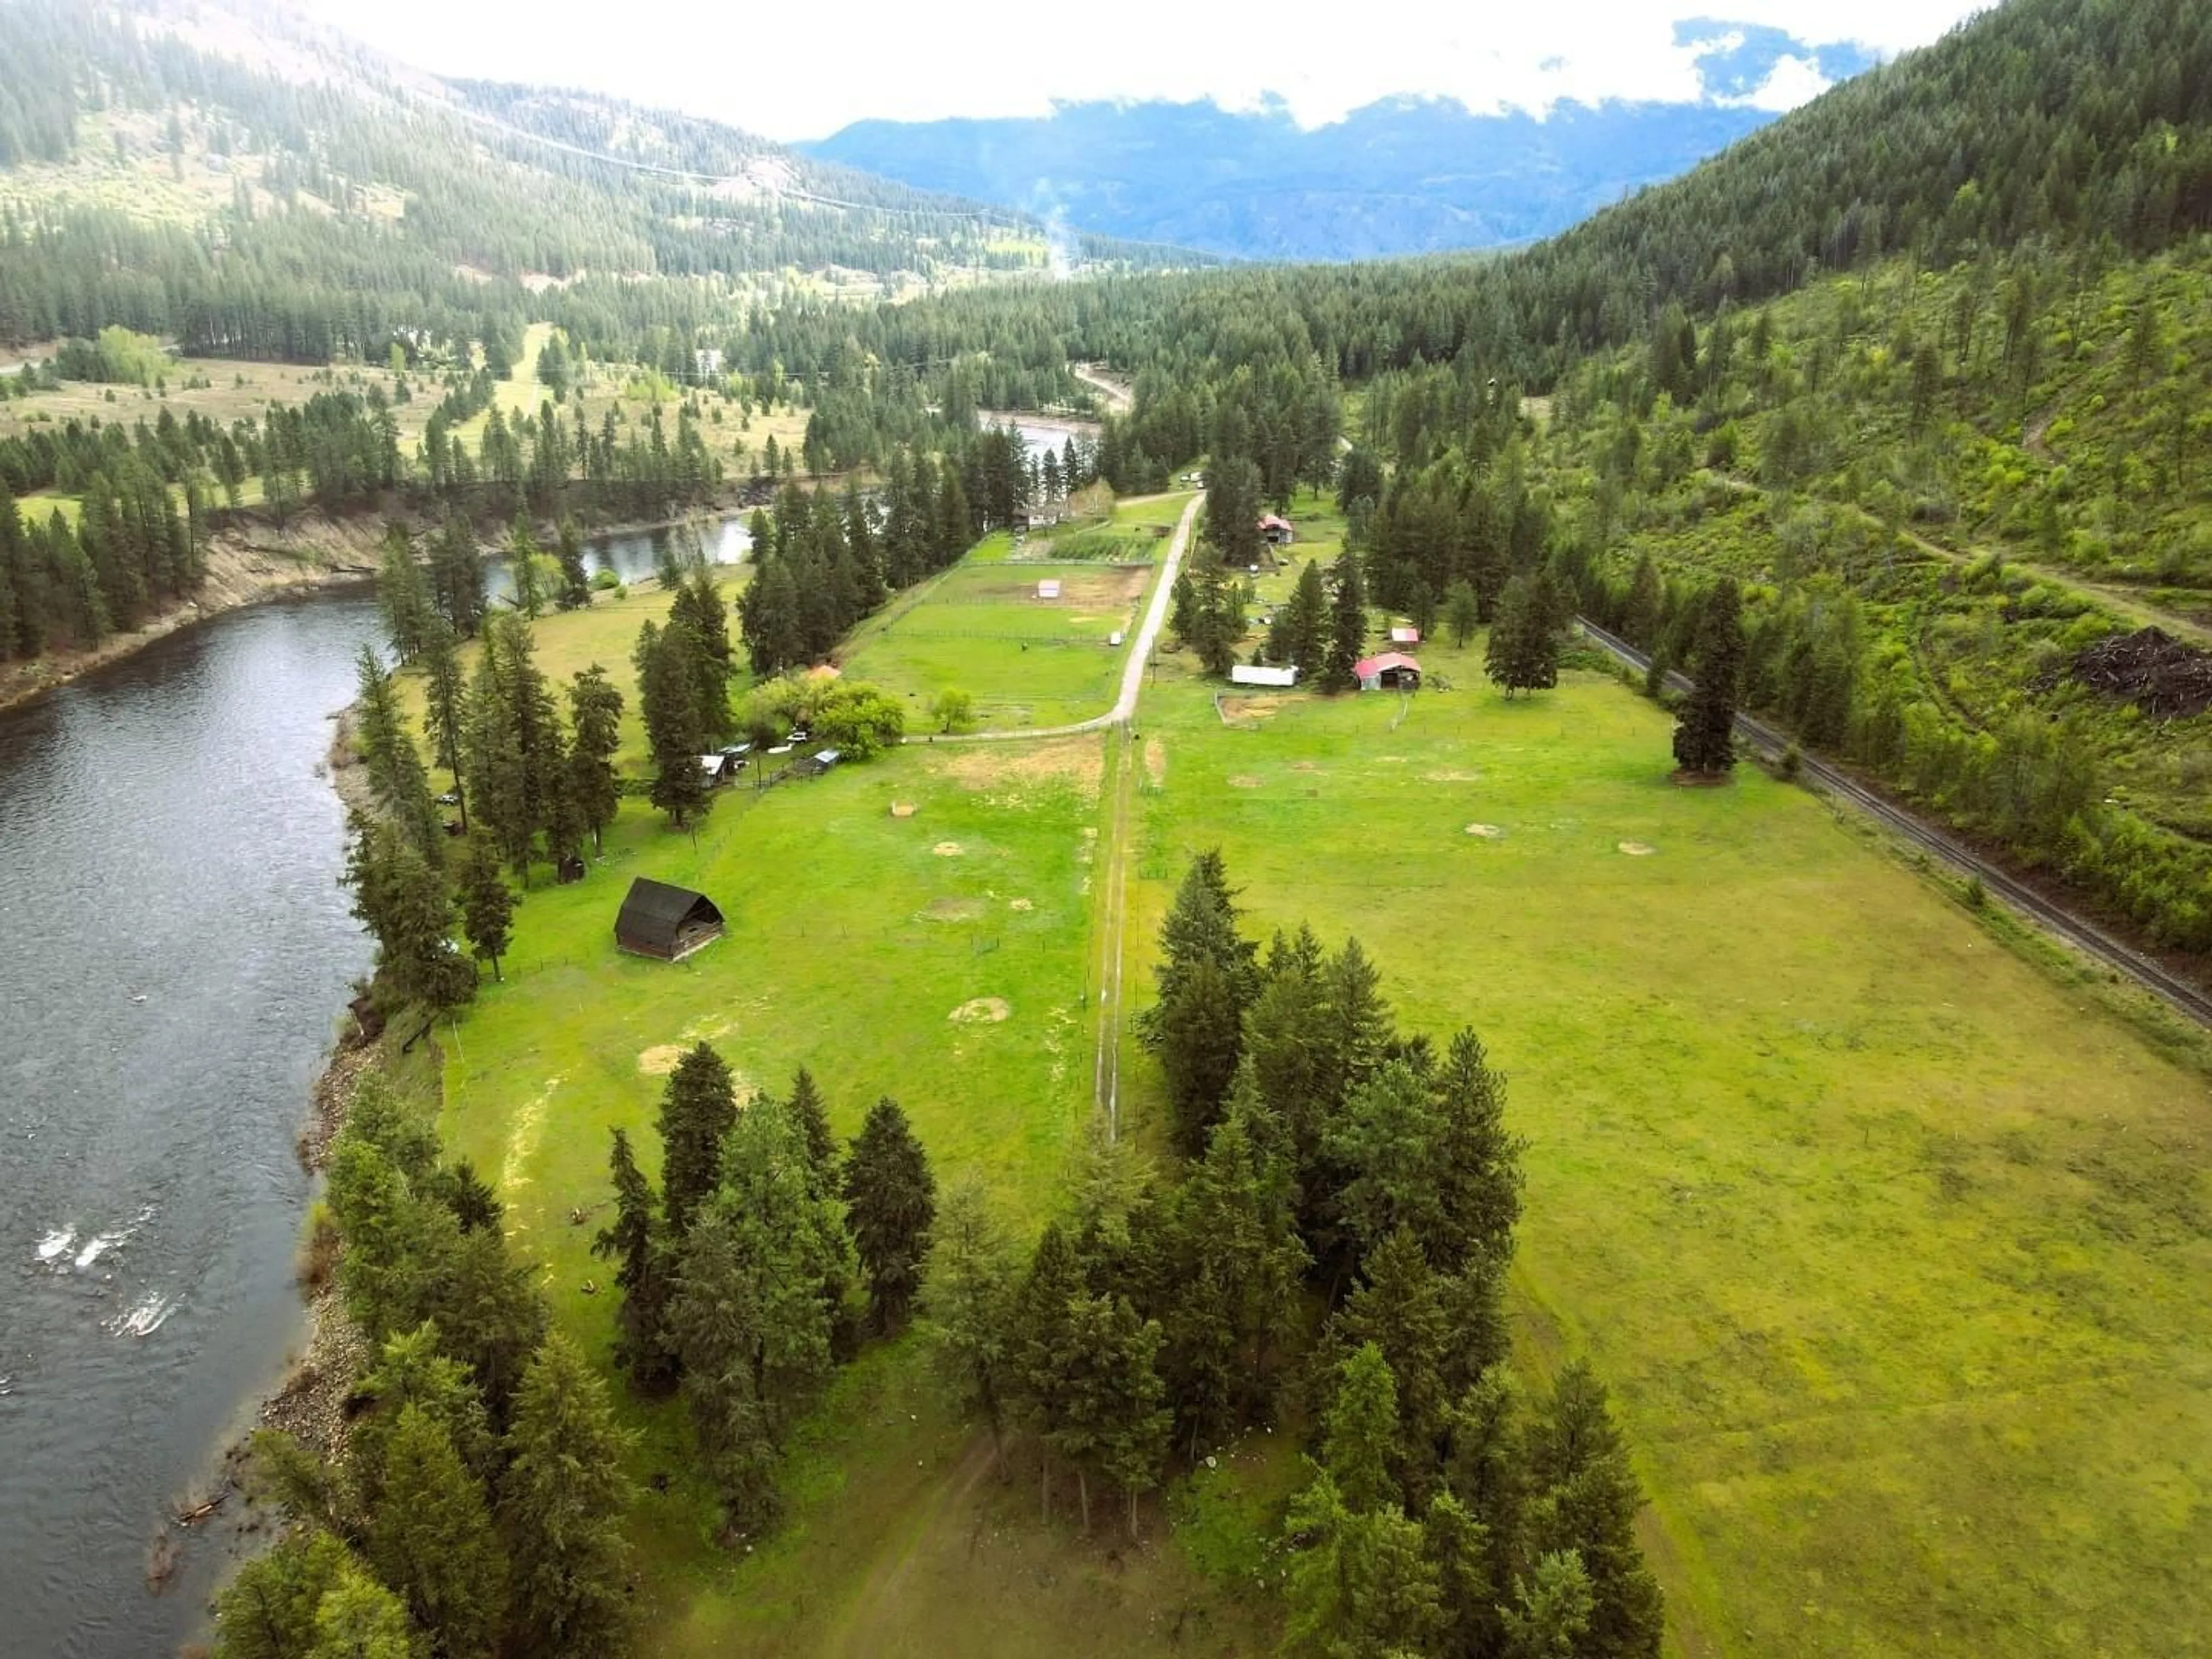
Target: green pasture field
x,y
939,957
981,628
1892,1243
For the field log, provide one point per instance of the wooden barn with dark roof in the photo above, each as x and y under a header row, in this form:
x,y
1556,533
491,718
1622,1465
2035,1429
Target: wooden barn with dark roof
x,y
668,922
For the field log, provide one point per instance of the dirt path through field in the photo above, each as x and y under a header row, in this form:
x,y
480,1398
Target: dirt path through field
x,y
880,1612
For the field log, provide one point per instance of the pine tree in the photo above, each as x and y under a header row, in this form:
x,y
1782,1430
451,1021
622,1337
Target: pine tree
x,y
411,1371
562,1503
1110,1417
1038,1343
891,1201
595,710
1347,642
1584,1499
751,1323
1523,653
697,1108
267,1611
575,581
401,594
1551,1612
359,1619
809,1112
487,908
1704,737
1206,978
1462,611
1238,1262
1399,1312
1460,1547
431,1538
675,726
635,1242
1478,1160
445,698
395,768
967,1304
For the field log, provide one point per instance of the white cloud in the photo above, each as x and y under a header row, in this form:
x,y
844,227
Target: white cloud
x,y
1793,81
793,72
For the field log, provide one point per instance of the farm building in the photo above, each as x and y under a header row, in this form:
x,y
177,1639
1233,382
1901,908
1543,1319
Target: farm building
x,y
1251,673
817,763
1404,636
1048,588
1394,671
719,769
1276,530
668,922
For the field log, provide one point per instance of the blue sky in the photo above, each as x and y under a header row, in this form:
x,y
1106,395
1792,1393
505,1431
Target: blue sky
x,y
794,72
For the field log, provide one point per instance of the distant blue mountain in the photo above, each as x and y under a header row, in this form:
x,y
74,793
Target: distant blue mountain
x,y
1406,175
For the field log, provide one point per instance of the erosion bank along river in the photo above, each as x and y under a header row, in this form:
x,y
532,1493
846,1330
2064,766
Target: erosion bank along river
x,y
177,949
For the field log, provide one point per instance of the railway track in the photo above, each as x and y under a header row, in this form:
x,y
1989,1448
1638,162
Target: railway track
x,y
2084,935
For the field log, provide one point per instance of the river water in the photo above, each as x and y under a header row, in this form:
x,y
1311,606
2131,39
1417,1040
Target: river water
x,y
177,951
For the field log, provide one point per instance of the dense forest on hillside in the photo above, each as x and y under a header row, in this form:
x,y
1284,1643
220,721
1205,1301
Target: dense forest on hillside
x,y
307,218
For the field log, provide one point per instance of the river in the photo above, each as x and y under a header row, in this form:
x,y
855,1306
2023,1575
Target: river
x,y
178,950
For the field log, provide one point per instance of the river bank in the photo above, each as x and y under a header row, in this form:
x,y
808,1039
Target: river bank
x,y
258,560
243,568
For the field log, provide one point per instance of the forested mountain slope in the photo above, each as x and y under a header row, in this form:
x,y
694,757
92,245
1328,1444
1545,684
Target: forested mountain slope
x,y
247,184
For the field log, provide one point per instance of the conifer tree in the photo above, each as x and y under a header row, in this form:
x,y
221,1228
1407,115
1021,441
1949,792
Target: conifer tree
x,y
891,1201
1348,639
1550,1610
489,1313
1306,622
697,1108
1462,611
359,1619
634,1241
595,710
1039,1343
411,1371
457,580
267,1611
431,1538
575,581
1111,1418
487,908
1584,1499
445,697
401,594
675,727
751,1323
395,766
809,1112
562,1507
1705,736
1523,653
966,1304
1401,1313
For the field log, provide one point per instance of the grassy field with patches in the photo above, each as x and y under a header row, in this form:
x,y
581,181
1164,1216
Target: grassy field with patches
x,y
941,953
1890,1242
981,627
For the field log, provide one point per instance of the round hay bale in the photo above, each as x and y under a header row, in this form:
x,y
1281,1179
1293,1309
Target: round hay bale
x,y
1487,831
1637,849
902,809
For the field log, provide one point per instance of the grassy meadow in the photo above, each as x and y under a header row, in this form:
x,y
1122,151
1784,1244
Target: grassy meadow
x,y
981,627
1888,1233
1891,1243
941,957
